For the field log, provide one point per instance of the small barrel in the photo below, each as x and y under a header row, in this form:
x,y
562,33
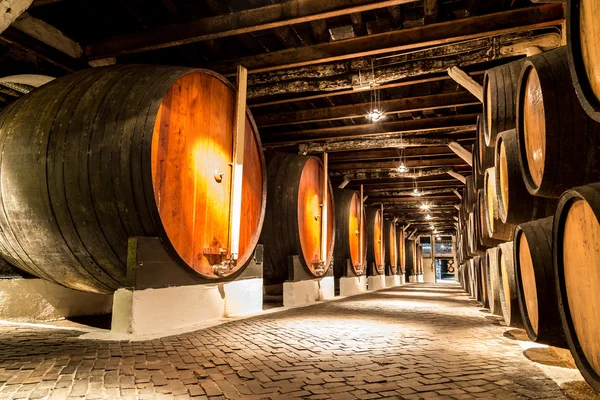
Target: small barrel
x,y
94,158
375,240
293,218
558,142
499,99
493,281
515,203
391,251
495,227
583,36
576,241
509,299
534,273
347,217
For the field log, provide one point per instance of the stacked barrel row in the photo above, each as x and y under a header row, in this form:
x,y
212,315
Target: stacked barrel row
x,y
529,230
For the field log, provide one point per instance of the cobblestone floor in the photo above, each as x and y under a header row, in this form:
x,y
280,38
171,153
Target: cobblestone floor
x,y
413,342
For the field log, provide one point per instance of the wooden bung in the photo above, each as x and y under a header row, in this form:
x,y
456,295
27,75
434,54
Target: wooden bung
x,y
96,157
576,239
347,233
294,214
515,203
583,36
558,142
536,286
509,299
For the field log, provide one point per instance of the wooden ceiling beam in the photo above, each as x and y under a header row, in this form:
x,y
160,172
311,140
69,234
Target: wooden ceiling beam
x,y
376,154
402,40
408,184
236,23
390,174
395,106
393,200
382,166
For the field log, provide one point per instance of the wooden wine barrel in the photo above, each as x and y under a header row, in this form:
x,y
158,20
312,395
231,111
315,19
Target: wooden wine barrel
x,y
485,154
375,239
347,217
483,281
558,142
94,158
499,99
391,251
401,252
496,229
515,203
536,286
509,299
293,218
485,239
411,264
470,195
477,289
473,278
576,241
583,35
493,281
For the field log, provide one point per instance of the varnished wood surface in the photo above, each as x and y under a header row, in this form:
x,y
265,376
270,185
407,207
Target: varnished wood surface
x,y
589,29
375,237
528,280
509,300
347,215
192,142
581,273
534,126
503,176
493,286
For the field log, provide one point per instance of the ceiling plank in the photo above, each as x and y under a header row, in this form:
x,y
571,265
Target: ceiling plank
x,y
237,23
388,153
381,166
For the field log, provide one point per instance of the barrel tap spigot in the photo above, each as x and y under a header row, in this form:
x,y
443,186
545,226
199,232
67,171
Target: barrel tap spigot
x,y
319,267
225,266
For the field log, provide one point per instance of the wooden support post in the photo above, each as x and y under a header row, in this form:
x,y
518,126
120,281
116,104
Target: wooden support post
x,y
463,79
457,194
237,168
457,207
457,176
360,229
460,151
324,210
344,184
365,198
404,228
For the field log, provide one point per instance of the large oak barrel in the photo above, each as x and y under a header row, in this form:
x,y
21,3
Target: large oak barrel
x,y
499,99
94,158
401,251
375,239
293,218
576,241
391,251
493,281
558,142
496,229
509,299
515,203
347,225
485,238
583,36
470,194
410,259
536,286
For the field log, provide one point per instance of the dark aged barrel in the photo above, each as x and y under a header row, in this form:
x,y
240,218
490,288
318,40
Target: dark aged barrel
x,y
401,251
583,36
499,99
391,252
347,224
493,281
534,273
411,251
496,229
96,157
515,204
577,270
558,142
293,217
375,239
509,299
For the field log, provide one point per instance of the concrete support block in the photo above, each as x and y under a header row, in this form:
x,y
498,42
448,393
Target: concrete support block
x,y
420,278
350,286
412,278
392,280
403,279
243,297
376,282
302,293
37,300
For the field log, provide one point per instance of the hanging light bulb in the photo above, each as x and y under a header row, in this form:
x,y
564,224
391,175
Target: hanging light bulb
x,y
428,217
402,168
416,192
425,206
376,113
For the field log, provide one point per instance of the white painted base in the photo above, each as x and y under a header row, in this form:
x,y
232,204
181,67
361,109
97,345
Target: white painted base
x,y
412,278
376,282
392,280
307,292
37,300
420,279
403,279
152,311
353,285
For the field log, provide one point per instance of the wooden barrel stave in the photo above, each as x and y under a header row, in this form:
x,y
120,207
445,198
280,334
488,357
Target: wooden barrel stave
x,y
535,280
347,216
375,239
511,189
558,142
576,264
493,285
391,254
496,229
509,299
485,238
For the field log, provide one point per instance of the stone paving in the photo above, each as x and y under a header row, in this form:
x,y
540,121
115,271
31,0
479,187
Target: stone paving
x,y
417,341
